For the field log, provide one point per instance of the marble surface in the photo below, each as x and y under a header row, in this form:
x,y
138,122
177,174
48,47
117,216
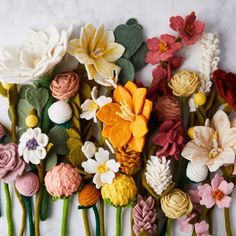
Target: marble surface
x,y
17,16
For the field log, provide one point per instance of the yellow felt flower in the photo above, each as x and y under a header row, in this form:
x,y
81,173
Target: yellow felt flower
x,y
97,50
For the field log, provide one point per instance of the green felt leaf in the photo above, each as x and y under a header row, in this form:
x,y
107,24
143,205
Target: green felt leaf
x,y
3,91
23,90
58,137
76,157
84,91
23,110
127,70
87,130
133,21
37,97
51,160
73,143
44,81
130,36
138,59
13,95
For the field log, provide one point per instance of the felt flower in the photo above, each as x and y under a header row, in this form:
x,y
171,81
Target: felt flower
x,y
11,165
89,195
184,225
103,168
184,83
32,145
161,49
91,106
213,146
38,55
89,149
65,85
202,228
216,193
226,85
126,117
189,29
97,50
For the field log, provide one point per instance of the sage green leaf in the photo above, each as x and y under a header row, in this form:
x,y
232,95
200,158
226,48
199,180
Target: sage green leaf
x,y
127,70
23,110
51,160
23,90
133,21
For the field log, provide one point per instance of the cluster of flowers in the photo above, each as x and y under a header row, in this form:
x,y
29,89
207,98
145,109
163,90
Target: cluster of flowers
x,y
90,132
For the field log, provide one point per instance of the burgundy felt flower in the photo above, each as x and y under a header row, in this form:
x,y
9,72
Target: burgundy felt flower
x,y
161,49
189,29
171,138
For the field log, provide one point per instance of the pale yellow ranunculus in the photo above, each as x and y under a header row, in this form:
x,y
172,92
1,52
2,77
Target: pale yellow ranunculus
x,y
97,50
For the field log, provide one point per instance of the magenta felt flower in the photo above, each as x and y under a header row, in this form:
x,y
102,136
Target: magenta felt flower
x,y
201,229
161,49
189,29
216,193
184,225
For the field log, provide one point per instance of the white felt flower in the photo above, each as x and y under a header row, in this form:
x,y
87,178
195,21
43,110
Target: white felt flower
x,y
103,168
89,149
32,145
90,106
39,53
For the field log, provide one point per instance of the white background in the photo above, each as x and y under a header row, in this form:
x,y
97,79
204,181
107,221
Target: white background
x,y
16,16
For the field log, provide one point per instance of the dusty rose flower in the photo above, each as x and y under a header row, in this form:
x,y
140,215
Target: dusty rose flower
x,y
11,165
2,132
202,228
65,85
166,108
184,225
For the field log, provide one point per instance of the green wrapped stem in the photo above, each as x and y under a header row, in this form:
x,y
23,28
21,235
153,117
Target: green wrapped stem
x,y
101,217
27,201
169,225
118,221
66,204
44,210
227,222
86,223
95,210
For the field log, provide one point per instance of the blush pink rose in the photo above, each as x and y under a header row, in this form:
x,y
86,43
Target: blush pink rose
x,y
65,85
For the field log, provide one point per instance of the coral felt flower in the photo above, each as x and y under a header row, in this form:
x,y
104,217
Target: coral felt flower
x,y
90,106
213,146
32,145
97,50
161,49
216,193
103,168
189,29
126,117
38,54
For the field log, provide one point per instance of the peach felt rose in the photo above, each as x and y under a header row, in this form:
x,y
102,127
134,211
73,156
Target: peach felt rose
x,y
65,85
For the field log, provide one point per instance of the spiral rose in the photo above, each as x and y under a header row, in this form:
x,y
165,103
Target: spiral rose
x,y
65,85
176,204
89,195
11,165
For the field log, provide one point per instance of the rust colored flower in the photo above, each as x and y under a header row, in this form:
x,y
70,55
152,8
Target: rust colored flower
x,y
89,195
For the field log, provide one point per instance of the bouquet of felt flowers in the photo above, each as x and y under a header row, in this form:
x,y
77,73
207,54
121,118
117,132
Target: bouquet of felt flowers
x,y
167,151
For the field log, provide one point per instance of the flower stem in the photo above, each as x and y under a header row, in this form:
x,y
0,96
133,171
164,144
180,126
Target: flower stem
x,y
8,210
27,201
168,229
86,223
95,210
227,222
101,216
118,221
66,204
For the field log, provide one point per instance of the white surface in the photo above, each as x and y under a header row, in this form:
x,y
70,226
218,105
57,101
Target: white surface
x,y
153,15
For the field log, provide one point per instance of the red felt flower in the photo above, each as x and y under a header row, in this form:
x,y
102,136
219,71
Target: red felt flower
x,y
161,49
189,29
226,85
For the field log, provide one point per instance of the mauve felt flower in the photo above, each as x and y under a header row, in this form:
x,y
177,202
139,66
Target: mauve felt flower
x,y
11,165
189,29
171,138
65,85
161,49
202,228
226,85
184,225
216,193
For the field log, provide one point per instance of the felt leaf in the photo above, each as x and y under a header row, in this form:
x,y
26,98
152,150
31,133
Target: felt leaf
x,y
23,90
3,91
13,95
72,133
44,81
132,21
85,91
37,97
73,143
76,157
87,130
130,36
127,70
58,137
135,170
51,160
138,59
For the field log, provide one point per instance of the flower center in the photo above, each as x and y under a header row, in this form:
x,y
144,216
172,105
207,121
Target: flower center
x,y
103,168
32,144
126,112
218,194
163,47
98,52
93,106
189,29
215,151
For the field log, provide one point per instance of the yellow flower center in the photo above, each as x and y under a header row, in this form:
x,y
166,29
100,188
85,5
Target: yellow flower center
x,y
216,150
163,47
93,106
126,113
103,168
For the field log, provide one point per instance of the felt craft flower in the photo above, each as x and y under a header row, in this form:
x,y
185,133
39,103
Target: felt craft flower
x,y
32,145
161,49
103,168
171,138
38,55
213,146
65,85
184,225
202,228
216,193
89,195
226,85
91,106
89,149
126,117
184,83
97,50
11,165
189,29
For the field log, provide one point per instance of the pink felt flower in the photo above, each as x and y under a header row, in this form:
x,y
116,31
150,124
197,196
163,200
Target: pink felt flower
x,y
201,229
189,29
194,195
161,49
184,225
234,171
216,193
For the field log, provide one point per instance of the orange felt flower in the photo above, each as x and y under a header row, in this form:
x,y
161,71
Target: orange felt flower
x,y
126,117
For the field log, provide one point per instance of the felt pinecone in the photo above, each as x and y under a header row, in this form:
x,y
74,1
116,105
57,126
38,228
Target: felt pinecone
x,y
145,216
128,159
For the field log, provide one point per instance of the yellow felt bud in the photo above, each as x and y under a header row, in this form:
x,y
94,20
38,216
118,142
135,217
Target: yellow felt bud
x,y
31,121
6,85
200,98
190,132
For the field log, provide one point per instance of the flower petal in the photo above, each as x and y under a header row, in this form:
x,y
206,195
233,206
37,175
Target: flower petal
x,y
226,188
113,165
107,178
41,152
224,202
101,156
42,140
139,127
203,136
113,52
97,180
90,166
103,100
